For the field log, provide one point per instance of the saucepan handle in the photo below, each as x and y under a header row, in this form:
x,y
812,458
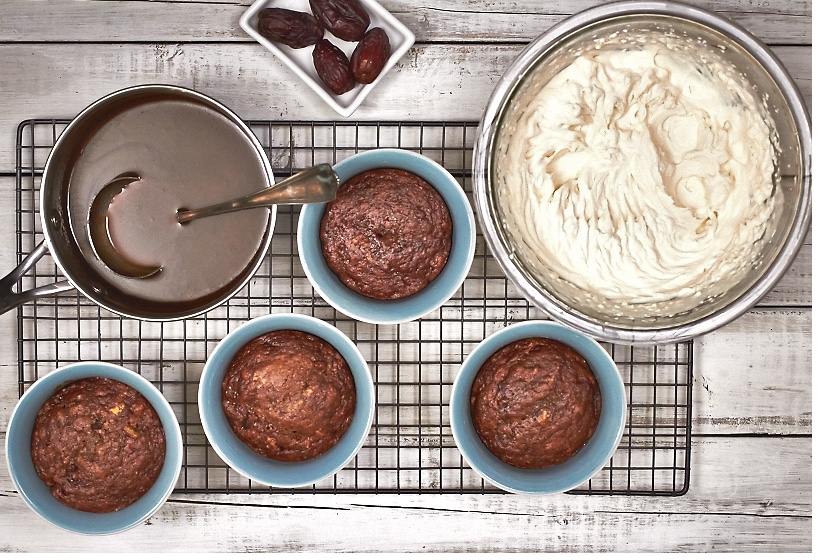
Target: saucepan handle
x,y
9,299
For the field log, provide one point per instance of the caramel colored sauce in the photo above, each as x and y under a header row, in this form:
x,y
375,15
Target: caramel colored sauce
x,y
187,156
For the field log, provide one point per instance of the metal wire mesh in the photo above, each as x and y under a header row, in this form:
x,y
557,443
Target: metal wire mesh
x,y
410,448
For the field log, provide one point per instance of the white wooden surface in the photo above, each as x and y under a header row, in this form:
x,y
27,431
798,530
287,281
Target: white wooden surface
x,y
751,468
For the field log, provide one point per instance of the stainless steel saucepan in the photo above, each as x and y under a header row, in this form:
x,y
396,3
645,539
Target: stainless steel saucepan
x,y
201,153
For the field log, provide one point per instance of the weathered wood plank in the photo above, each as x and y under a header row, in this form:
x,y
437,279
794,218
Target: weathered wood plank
x,y
432,82
751,482
724,477
795,287
735,503
751,376
8,322
754,372
775,22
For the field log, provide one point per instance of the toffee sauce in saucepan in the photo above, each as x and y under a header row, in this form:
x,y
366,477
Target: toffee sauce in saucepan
x,y
187,156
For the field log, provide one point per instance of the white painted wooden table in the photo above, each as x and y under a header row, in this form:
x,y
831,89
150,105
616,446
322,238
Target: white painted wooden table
x,y
751,483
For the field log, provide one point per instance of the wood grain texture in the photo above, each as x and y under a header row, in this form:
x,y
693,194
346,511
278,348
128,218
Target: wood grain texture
x,y
443,82
753,376
777,22
755,364
751,484
735,504
795,287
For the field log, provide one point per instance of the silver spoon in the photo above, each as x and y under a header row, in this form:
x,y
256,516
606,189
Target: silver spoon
x,y
313,185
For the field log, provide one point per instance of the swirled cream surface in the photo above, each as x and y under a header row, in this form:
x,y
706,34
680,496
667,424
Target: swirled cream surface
x,y
640,176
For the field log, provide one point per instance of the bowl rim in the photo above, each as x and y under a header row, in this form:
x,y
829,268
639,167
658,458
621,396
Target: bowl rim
x,y
437,292
90,523
239,456
555,479
485,138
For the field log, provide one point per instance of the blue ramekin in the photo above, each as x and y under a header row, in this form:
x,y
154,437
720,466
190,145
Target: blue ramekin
x,y
242,458
37,494
406,309
572,472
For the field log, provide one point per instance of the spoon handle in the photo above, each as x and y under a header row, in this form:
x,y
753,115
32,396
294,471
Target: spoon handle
x,y
316,184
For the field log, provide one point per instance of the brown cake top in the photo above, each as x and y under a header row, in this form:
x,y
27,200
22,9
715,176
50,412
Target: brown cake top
x,y
387,234
535,403
289,395
98,444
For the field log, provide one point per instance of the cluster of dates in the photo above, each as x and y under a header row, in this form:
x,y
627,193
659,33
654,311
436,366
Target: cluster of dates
x,y
346,19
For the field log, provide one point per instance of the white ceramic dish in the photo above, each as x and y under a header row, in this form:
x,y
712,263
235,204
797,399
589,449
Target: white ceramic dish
x,y
300,60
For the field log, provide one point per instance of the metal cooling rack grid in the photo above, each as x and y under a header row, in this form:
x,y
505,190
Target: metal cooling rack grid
x,y
410,448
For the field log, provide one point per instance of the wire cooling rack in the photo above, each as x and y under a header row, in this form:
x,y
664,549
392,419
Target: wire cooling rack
x,y
410,448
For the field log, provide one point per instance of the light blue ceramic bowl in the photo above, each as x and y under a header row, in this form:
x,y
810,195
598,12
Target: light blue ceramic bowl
x,y
242,458
37,495
402,310
558,478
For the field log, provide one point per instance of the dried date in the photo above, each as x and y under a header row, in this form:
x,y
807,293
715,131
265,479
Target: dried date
x,y
333,67
289,27
370,55
346,19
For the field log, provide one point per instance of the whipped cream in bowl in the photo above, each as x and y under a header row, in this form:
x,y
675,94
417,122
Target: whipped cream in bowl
x,y
641,177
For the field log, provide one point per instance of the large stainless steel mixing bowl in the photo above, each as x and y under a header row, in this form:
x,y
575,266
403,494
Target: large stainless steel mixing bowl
x,y
772,85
